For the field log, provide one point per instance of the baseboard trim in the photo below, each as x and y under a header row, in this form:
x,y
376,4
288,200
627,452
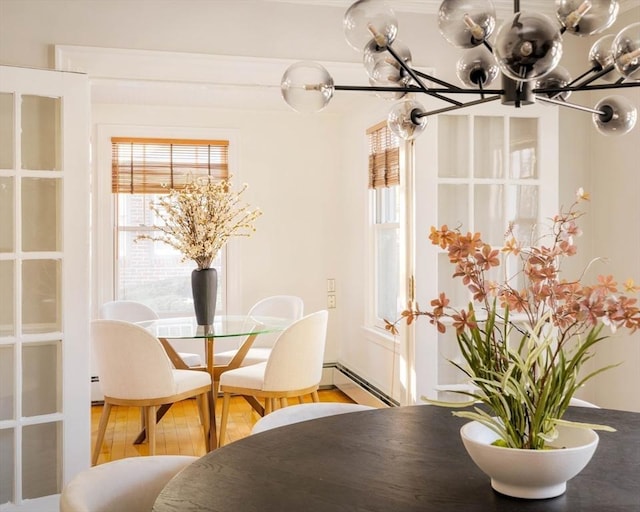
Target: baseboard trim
x,y
362,385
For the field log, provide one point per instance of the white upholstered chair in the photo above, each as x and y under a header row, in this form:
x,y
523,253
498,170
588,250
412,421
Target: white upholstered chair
x,y
127,485
294,368
135,371
132,311
304,412
280,306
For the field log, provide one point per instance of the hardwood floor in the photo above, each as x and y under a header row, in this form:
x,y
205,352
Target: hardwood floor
x,y
179,432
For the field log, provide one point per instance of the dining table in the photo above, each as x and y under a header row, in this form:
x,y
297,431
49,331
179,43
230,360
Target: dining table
x,y
224,326
397,459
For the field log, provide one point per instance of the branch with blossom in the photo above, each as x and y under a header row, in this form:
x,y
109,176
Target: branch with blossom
x,y
558,321
199,219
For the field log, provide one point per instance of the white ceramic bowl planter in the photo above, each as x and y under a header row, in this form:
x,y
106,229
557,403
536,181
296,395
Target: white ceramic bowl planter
x,y
530,474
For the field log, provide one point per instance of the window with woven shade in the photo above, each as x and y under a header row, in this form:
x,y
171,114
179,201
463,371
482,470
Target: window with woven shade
x,y
386,201
384,157
143,169
150,166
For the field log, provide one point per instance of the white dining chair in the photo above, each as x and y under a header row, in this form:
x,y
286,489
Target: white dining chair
x,y
289,307
304,412
132,311
135,371
294,368
126,485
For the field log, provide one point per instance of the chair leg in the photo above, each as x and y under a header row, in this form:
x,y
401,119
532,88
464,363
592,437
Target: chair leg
x,y
268,406
102,427
151,429
203,408
283,402
300,399
315,397
226,401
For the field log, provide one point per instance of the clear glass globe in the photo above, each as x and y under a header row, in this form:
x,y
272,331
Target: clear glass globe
x,y
619,117
369,19
600,56
477,66
403,122
388,95
466,24
586,17
528,46
374,57
559,77
307,87
626,52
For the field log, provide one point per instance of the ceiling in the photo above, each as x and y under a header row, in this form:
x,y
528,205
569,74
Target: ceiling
x,y
503,7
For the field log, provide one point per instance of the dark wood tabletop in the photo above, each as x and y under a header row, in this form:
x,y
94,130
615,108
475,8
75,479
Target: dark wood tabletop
x,y
392,460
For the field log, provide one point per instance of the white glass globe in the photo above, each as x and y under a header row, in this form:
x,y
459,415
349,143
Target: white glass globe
x,y
559,77
466,23
369,19
376,57
619,117
600,56
403,122
307,87
528,46
626,52
477,66
586,17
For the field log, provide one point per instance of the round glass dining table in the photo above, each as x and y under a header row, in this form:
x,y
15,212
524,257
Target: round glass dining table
x,y
224,326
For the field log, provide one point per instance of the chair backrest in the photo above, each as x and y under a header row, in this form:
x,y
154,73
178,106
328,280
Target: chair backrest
x,y
281,306
130,485
296,359
131,361
127,310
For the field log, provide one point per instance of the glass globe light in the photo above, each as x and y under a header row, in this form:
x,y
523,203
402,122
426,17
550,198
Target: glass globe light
x,y
528,46
388,95
375,55
477,66
466,24
369,19
307,87
619,116
559,77
626,52
403,122
586,17
600,56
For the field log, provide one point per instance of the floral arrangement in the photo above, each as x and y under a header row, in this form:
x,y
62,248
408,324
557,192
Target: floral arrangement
x,y
198,219
524,348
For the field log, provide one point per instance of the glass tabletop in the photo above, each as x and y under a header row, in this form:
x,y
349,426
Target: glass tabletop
x,y
224,326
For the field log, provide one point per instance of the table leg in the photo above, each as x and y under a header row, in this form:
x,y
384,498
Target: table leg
x,y
213,432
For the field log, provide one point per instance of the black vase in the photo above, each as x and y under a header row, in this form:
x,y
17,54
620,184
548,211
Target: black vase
x,y
204,286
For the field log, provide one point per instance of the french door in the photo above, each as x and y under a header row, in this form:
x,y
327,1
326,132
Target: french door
x,y
45,427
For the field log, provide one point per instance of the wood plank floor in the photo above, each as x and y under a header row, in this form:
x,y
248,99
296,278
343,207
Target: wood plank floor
x,y
179,432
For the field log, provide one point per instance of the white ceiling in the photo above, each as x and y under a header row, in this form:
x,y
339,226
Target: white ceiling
x,y
503,7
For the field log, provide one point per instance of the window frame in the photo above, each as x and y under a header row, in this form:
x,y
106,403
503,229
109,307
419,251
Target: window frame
x,y
103,272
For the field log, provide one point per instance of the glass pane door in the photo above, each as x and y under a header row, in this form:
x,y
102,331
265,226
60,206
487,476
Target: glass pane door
x,y
44,383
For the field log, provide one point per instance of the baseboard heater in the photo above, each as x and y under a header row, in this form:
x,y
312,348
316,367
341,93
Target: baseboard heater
x,y
358,389
347,381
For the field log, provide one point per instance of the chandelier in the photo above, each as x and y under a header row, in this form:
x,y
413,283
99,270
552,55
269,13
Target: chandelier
x,y
525,54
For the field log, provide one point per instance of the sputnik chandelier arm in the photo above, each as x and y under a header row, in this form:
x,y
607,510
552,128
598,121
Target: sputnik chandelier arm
x,y
525,53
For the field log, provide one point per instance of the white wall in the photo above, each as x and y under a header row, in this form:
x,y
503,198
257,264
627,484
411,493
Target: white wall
x,y
313,226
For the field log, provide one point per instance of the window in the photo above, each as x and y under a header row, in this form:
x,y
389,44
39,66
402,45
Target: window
x,y
385,200
142,169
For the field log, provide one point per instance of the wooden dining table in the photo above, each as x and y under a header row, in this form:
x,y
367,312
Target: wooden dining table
x,y
392,460
224,326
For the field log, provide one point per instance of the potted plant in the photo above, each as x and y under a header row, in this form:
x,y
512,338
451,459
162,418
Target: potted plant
x,y
198,221
524,346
